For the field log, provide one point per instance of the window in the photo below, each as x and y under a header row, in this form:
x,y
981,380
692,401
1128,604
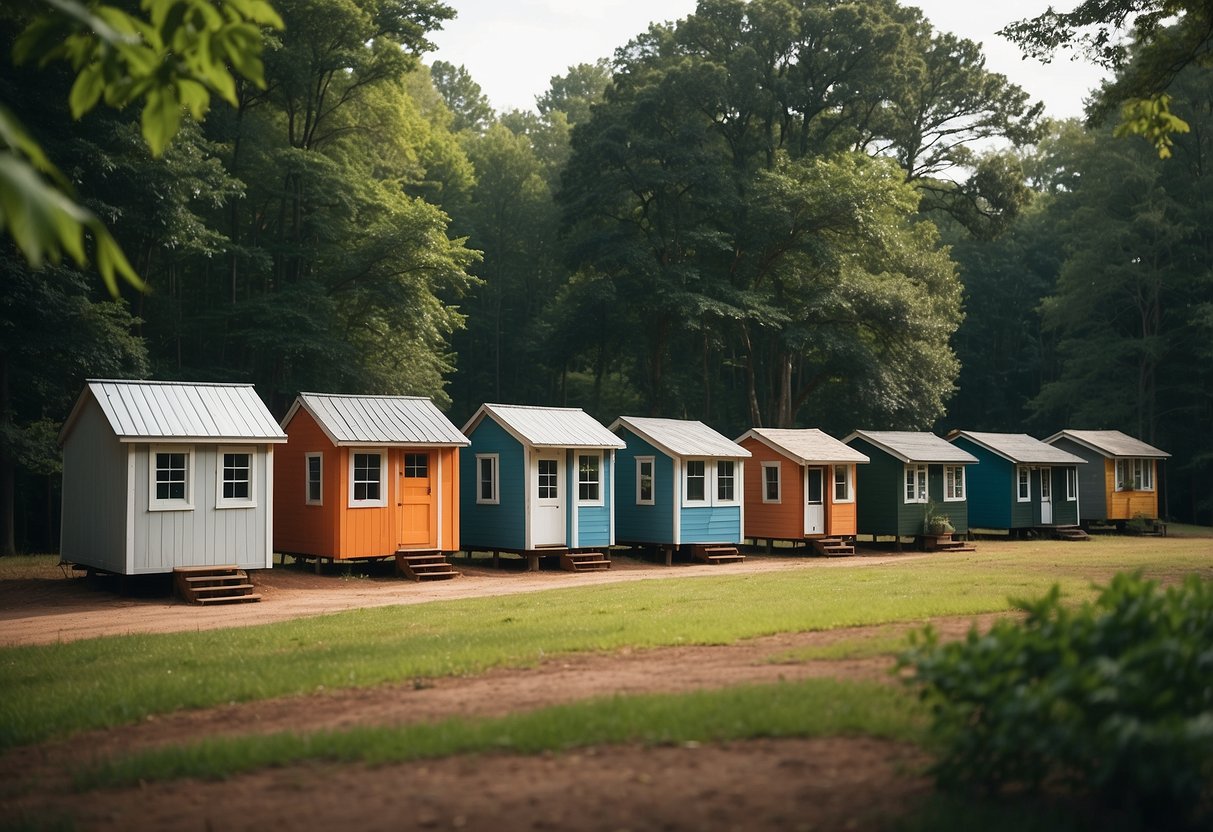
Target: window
x,y
548,479
843,489
235,478
726,491
1023,484
314,470
366,479
170,479
417,466
644,480
1071,484
1134,475
916,484
589,478
770,483
953,483
696,481
486,479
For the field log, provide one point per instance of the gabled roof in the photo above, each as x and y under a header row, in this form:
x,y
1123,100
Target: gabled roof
x,y
1019,448
809,445
378,420
1111,443
547,427
914,446
680,437
174,411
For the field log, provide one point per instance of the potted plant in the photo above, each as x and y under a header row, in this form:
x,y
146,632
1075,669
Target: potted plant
x,y
936,523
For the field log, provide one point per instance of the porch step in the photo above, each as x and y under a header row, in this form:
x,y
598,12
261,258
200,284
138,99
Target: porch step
x,y
1070,533
946,543
833,546
424,566
718,554
584,562
213,585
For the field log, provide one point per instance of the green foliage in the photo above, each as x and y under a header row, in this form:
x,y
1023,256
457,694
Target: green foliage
x,y
1112,699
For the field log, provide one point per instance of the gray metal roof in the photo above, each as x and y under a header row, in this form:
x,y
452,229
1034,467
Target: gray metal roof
x,y
1020,448
173,411
1111,443
914,446
378,420
807,444
547,427
681,437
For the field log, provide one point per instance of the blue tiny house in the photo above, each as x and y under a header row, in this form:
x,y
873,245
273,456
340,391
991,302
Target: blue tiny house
x,y
1021,483
538,481
680,486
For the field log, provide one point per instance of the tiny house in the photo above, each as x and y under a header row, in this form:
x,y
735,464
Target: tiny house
x,y
539,481
1121,478
366,477
801,487
160,476
913,477
680,486
1020,483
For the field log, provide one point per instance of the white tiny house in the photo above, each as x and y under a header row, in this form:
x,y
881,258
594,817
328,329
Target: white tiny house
x,y
159,475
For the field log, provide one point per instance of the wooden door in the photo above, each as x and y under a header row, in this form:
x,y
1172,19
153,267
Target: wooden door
x,y
814,500
418,506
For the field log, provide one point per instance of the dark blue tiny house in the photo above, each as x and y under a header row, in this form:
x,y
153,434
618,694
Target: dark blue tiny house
x,y
680,485
1021,483
538,481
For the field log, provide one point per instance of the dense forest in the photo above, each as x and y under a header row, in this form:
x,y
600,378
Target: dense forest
x,y
781,212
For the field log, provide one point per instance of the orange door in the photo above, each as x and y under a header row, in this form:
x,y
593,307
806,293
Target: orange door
x,y
417,495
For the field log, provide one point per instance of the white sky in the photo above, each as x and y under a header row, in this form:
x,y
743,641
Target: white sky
x,y
513,47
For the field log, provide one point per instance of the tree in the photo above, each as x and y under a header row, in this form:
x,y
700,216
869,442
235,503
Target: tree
x,y
575,92
468,104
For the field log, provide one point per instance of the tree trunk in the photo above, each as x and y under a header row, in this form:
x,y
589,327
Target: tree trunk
x,y
751,389
784,417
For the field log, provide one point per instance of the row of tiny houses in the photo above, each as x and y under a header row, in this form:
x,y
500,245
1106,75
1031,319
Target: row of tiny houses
x,y
160,475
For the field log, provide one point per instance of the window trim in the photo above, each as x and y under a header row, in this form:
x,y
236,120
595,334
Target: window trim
x,y
236,502
1071,483
1023,477
383,479
849,482
924,481
778,469
153,502
601,499
651,461
717,500
1136,469
404,464
964,492
307,478
494,479
706,500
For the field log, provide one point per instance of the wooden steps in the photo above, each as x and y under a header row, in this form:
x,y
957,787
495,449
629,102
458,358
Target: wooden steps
x,y
584,562
945,543
833,547
424,566
718,554
1069,533
213,585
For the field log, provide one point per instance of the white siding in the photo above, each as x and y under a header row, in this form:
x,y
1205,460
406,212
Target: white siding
x,y
94,494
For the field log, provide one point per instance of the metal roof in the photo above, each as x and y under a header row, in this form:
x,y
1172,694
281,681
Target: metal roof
x,y
681,437
1111,443
547,427
914,446
1020,448
807,445
173,411
378,420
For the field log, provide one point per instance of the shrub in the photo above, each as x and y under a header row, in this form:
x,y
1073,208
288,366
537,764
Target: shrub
x,y
1113,700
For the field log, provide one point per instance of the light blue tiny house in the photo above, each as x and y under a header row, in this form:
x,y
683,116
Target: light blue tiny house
x,y
537,481
680,485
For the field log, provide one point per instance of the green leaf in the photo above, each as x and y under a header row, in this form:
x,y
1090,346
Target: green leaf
x,y
161,118
87,90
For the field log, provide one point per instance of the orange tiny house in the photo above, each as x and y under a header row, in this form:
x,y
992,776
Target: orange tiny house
x,y
366,477
800,486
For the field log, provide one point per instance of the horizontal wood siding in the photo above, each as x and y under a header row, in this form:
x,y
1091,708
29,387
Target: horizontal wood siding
x,y
593,522
502,525
841,517
1094,482
643,524
783,520
300,528
95,493
1125,505
957,513
879,492
711,524
991,487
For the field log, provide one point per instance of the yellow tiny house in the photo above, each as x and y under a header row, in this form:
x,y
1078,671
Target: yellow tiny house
x,y
1121,481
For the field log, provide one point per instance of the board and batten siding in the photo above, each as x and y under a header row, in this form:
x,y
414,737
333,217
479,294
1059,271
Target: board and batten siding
x,y
204,535
299,528
95,494
647,524
501,525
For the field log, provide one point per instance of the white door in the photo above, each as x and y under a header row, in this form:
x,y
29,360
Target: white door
x,y
814,500
1046,496
548,499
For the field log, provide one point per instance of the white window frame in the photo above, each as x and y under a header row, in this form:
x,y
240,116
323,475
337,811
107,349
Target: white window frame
x,y
383,479
1023,484
307,478
153,502
921,483
717,500
778,469
1071,483
236,502
650,461
706,500
1137,471
495,479
848,481
600,499
958,478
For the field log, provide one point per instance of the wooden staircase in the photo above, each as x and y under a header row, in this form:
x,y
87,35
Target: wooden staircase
x,y
833,547
945,543
584,562
424,566
715,555
213,585
1069,533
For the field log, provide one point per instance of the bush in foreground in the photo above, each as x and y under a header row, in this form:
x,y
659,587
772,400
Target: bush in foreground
x,y
1111,700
